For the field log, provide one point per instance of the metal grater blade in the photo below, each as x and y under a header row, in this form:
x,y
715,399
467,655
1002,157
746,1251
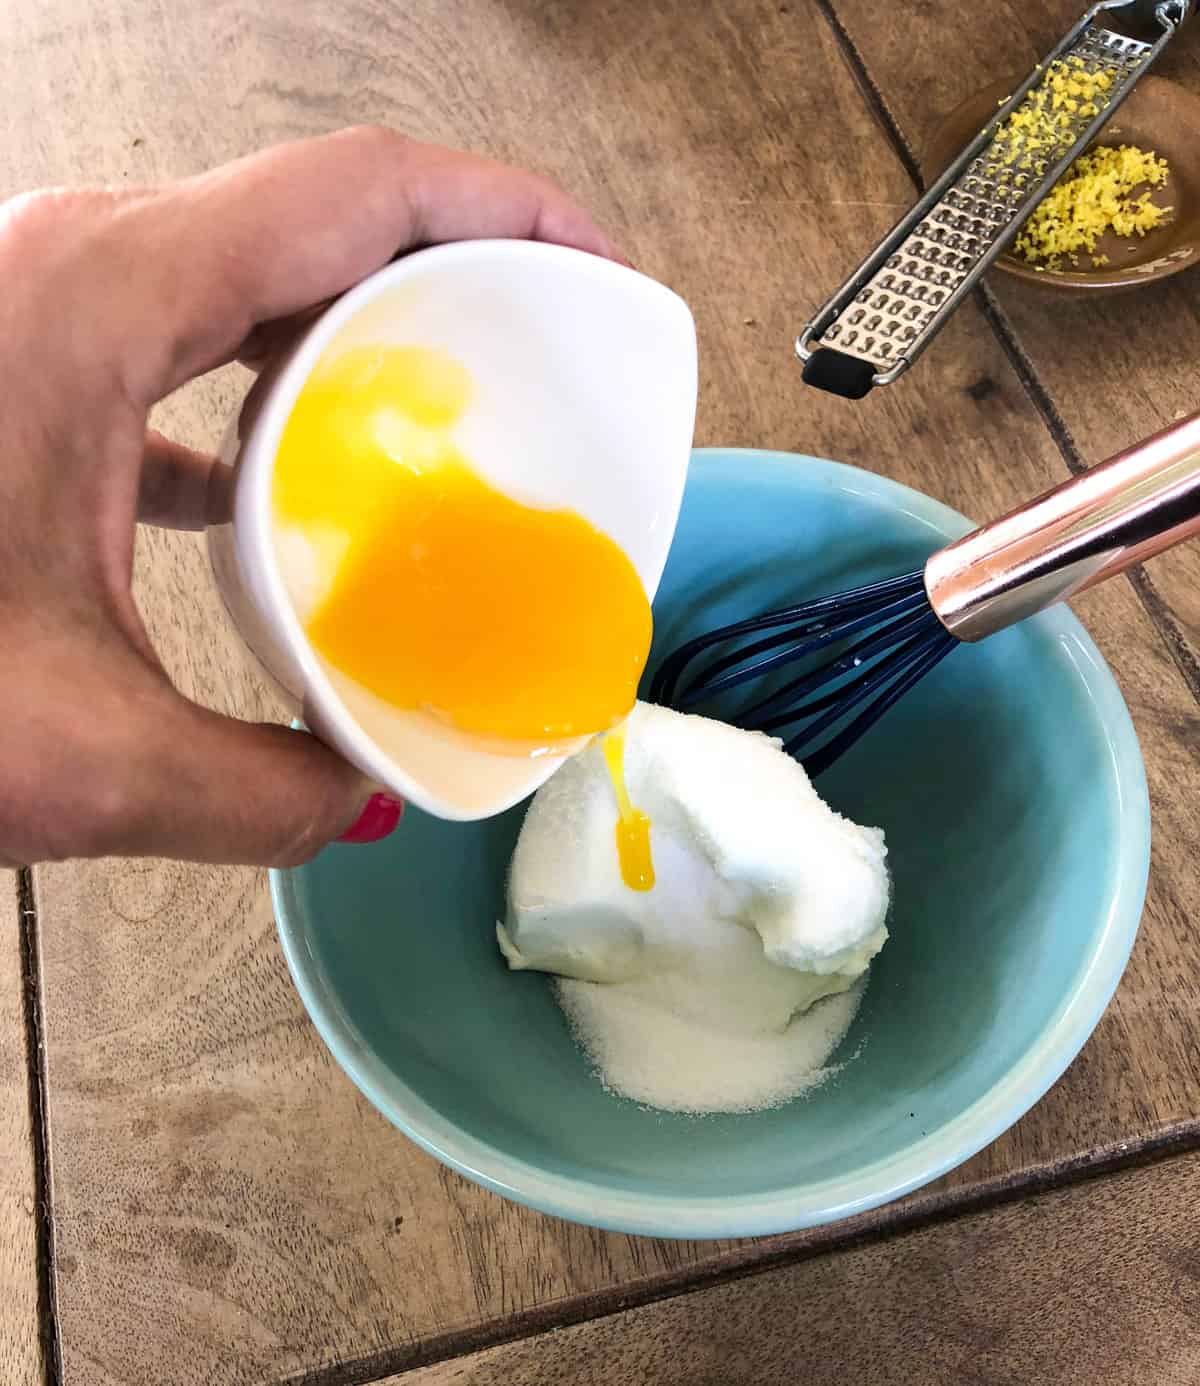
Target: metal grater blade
x,y
888,312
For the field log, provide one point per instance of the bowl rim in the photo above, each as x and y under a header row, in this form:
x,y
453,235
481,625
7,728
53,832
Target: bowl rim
x,y
883,1180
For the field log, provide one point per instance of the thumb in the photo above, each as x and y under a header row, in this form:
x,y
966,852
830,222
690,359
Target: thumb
x,y
219,790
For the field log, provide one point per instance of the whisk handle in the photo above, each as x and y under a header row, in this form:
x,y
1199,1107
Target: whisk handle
x,y
1116,514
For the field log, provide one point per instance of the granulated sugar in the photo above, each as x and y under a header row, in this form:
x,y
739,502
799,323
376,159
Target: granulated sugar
x,y
728,985
680,1063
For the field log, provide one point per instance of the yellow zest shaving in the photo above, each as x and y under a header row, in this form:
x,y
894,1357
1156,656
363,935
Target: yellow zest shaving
x,y
1044,125
1108,189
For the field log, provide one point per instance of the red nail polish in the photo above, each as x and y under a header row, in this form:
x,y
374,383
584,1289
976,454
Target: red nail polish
x,y
377,820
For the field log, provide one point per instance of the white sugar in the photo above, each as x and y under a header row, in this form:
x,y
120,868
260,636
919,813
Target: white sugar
x,y
653,1055
729,985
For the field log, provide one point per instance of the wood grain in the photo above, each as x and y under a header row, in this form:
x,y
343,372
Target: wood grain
x,y
1115,370
227,1208
21,1362
1011,1297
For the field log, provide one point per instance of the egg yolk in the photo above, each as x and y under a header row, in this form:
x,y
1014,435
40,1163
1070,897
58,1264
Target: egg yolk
x,y
523,625
633,826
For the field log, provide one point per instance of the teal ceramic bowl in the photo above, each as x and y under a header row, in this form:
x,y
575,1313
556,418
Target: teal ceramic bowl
x,y
1013,795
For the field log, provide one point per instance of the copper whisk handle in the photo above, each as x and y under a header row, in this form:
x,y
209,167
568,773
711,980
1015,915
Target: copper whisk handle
x,y
1116,514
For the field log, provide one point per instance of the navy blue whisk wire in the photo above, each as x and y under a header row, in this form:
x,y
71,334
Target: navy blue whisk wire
x,y
896,639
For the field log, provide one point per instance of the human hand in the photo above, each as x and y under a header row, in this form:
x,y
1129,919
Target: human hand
x,y
111,301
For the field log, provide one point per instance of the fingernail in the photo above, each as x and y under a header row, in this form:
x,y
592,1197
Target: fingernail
x,y
377,820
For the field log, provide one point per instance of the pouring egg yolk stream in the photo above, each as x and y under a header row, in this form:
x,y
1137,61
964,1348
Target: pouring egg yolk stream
x,y
524,627
633,826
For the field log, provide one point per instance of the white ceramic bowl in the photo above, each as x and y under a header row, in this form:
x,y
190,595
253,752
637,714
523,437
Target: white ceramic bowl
x,y
584,397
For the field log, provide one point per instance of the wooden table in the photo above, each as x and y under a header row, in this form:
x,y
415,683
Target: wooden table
x,y
190,1190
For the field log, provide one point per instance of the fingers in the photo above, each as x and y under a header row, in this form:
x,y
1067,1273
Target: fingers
x,y
458,197
104,757
217,790
270,340
179,488
267,237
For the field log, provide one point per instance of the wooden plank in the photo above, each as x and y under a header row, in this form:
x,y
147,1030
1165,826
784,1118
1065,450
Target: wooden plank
x,y
1010,1296
1116,369
21,1361
227,1208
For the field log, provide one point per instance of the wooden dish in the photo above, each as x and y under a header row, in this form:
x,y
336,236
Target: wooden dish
x,y
1158,115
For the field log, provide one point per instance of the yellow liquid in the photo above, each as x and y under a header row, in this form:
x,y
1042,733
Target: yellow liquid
x,y
507,621
633,826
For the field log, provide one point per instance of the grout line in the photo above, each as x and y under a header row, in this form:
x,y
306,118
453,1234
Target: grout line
x,y
40,1127
1163,617
1176,1140
1159,613
874,95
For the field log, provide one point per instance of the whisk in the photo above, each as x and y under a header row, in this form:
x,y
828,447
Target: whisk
x,y
859,651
